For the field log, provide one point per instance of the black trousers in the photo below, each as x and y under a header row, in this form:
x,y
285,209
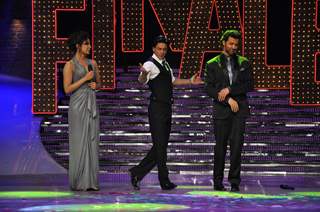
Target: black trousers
x,y
228,130
160,115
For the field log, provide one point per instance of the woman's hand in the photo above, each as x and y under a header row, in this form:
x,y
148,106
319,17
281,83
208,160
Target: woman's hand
x,y
89,75
93,85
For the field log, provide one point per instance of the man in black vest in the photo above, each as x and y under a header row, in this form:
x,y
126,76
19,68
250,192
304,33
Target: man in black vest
x,y
228,78
157,73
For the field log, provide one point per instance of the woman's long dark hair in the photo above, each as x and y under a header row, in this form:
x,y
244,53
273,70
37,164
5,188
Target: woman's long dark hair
x,y
77,38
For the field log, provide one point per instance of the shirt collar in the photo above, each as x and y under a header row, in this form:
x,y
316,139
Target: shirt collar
x,y
157,59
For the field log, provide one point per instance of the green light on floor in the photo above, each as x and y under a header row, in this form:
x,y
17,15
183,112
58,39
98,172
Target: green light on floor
x,y
194,187
305,194
34,194
225,194
138,207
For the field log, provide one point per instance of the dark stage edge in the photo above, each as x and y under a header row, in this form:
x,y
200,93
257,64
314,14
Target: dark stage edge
x,y
194,193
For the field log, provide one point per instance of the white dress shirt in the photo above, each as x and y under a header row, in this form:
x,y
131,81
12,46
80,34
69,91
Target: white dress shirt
x,y
229,67
153,70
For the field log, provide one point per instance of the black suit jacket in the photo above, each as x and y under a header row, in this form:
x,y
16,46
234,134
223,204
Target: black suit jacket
x,y
216,78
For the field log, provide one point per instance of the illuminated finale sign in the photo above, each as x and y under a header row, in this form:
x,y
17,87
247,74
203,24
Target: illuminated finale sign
x,y
187,24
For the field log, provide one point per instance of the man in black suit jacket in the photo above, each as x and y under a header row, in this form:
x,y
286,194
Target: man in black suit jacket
x,y
228,78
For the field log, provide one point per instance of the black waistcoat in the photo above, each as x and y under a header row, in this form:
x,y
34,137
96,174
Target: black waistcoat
x,y
161,86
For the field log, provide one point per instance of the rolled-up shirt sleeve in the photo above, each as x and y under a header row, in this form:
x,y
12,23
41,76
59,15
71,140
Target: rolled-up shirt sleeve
x,y
153,71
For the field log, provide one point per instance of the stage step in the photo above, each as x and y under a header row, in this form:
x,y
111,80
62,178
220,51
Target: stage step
x,y
280,139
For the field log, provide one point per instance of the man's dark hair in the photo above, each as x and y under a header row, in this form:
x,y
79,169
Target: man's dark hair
x,y
159,39
230,33
77,38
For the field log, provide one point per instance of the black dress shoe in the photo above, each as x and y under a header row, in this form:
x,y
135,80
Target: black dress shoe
x,y
76,189
92,189
135,182
168,186
235,188
219,187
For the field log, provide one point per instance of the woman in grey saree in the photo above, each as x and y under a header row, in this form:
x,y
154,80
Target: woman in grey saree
x,y
80,80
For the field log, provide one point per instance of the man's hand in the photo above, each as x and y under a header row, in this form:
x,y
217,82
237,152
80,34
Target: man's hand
x,y
196,80
234,105
222,94
143,70
143,74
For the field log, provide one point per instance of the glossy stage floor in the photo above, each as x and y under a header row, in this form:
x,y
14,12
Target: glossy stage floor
x,y
30,180
194,193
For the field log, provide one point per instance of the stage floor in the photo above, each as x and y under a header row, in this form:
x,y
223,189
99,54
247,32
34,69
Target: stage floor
x,y
194,193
